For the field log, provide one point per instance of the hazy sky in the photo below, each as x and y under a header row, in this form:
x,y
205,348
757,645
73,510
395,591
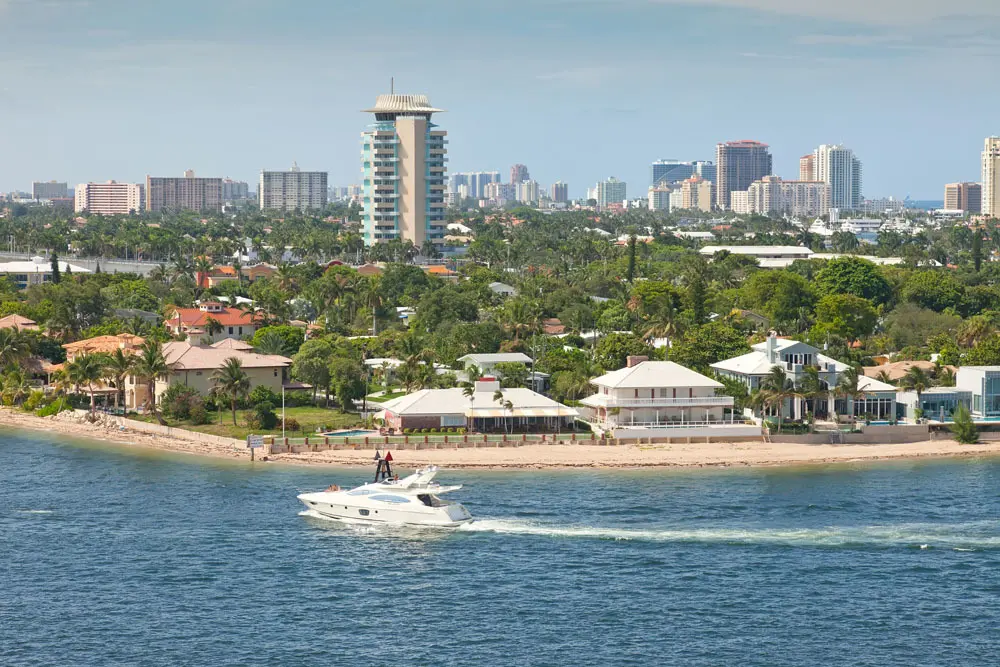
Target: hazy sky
x,y
576,89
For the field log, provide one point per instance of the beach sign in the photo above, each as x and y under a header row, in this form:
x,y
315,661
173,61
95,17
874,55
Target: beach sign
x,y
255,441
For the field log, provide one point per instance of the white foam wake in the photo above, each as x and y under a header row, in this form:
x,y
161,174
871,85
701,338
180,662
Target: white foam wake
x,y
966,536
34,511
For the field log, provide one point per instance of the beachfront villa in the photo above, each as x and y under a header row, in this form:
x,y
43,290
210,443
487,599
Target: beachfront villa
x,y
937,403
662,399
194,322
126,342
983,385
878,400
520,410
194,365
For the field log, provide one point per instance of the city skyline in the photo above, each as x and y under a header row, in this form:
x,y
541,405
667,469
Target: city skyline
x,y
579,55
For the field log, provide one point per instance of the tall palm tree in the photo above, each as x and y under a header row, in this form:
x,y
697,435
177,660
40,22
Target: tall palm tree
x,y
118,367
232,382
916,380
811,387
883,376
371,297
203,268
847,386
777,388
213,326
150,366
271,342
13,347
87,370
469,391
15,386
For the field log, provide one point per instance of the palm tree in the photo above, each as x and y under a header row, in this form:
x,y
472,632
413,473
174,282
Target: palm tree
x,y
777,388
371,297
662,324
118,367
203,268
212,327
916,380
508,408
811,387
498,397
87,369
883,376
232,382
847,386
13,347
469,391
271,342
16,387
150,366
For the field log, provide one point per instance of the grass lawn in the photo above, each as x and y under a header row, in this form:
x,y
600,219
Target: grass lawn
x,y
309,419
386,397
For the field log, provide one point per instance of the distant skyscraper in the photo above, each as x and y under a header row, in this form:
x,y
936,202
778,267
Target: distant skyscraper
x,y
519,173
838,167
234,190
500,193
738,164
670,171
659,196
991,177
291,190
611,191
183,194
476,180
773,196
403,158
696,194
807,168
109,198
527,192
49,190
707,170
966,197
560,192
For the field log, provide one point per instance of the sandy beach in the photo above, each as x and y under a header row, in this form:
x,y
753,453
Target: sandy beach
x,y
737,454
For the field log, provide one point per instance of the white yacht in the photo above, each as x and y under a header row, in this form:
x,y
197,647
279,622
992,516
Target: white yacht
x,y
412,500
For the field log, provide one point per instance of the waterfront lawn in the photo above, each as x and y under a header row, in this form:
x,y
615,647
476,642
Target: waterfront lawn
x,y
309,418
386,397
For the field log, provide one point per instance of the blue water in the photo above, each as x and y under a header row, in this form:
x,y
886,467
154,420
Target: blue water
x,y
110,557
345,434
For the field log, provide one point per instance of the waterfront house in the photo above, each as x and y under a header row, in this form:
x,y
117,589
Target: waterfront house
x,y
125,342
983,385
448,408
937,403
193,321
662,399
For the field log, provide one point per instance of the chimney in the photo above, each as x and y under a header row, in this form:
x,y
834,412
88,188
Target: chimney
x,y
635,360
772,344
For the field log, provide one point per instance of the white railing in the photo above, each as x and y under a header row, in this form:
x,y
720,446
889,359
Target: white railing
x,y
670,425
608,401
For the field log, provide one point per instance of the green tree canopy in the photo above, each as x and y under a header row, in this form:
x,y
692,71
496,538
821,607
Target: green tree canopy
x,y
701,346
857,277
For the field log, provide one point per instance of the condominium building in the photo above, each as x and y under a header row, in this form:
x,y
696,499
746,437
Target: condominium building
x,y
706,169
476,182
670,171
696,194
500,193
292,190
560,192
187,193
807,167
527,192
611,191
110,198
235,190
991,178
659,197
738,164
49,190
403,166
839,167
773,196
519,173
966,197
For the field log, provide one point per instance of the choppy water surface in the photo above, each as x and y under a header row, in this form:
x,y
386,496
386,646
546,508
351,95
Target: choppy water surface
x,y
113,558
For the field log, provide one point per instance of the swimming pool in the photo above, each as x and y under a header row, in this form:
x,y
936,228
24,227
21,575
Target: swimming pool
x,y
350,434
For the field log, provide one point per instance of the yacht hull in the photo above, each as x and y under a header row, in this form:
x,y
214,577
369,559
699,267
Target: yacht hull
x,y
348,510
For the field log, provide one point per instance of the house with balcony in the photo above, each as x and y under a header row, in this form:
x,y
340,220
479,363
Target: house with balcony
x,y
662,399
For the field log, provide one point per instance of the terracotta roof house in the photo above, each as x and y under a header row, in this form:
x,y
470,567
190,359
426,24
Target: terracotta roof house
x,y
896,370
234,322
103,345
18,323
369,270
441,271
553,327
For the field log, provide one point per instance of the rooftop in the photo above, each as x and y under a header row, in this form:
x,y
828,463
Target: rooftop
x,y
452,401
184,356
497,358
402,104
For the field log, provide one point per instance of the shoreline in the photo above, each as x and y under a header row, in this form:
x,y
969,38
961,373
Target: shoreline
x,y
534,457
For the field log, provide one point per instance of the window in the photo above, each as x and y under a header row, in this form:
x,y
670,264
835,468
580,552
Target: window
x,y
386,498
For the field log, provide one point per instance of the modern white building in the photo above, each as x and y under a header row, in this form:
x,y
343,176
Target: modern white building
x,y
292,190
991,177
659,197
837,166
36,271
487,362
983,382
527,192
662,399
611,191
109,198
783,254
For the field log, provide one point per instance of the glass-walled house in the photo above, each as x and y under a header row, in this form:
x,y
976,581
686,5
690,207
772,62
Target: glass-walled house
x,y
937,403
983,383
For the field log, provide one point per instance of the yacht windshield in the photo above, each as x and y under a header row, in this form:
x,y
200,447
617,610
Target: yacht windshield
x,y
431,500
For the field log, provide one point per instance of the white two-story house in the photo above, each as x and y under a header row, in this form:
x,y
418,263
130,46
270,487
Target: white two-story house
x,y
662,399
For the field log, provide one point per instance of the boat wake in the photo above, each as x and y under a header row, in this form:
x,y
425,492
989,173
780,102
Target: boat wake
x,y
960,537
34,511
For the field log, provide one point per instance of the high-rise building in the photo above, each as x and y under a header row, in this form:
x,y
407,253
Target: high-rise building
x,y
476,180
519,174
403,156
838,166
706,169
807,168
738,164
292,189
991,177
659,196
611,191
188,193
966,197
696,194
773,196
670,171
560,192
109,198
234,190
527,192
49,190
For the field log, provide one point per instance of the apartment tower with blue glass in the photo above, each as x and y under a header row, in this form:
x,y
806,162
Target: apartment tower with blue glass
x,y
403,172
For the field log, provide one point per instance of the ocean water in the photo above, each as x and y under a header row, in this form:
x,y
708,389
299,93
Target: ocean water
x,y
109,557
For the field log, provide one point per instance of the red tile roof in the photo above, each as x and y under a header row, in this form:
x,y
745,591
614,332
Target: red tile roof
x,y
193,317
